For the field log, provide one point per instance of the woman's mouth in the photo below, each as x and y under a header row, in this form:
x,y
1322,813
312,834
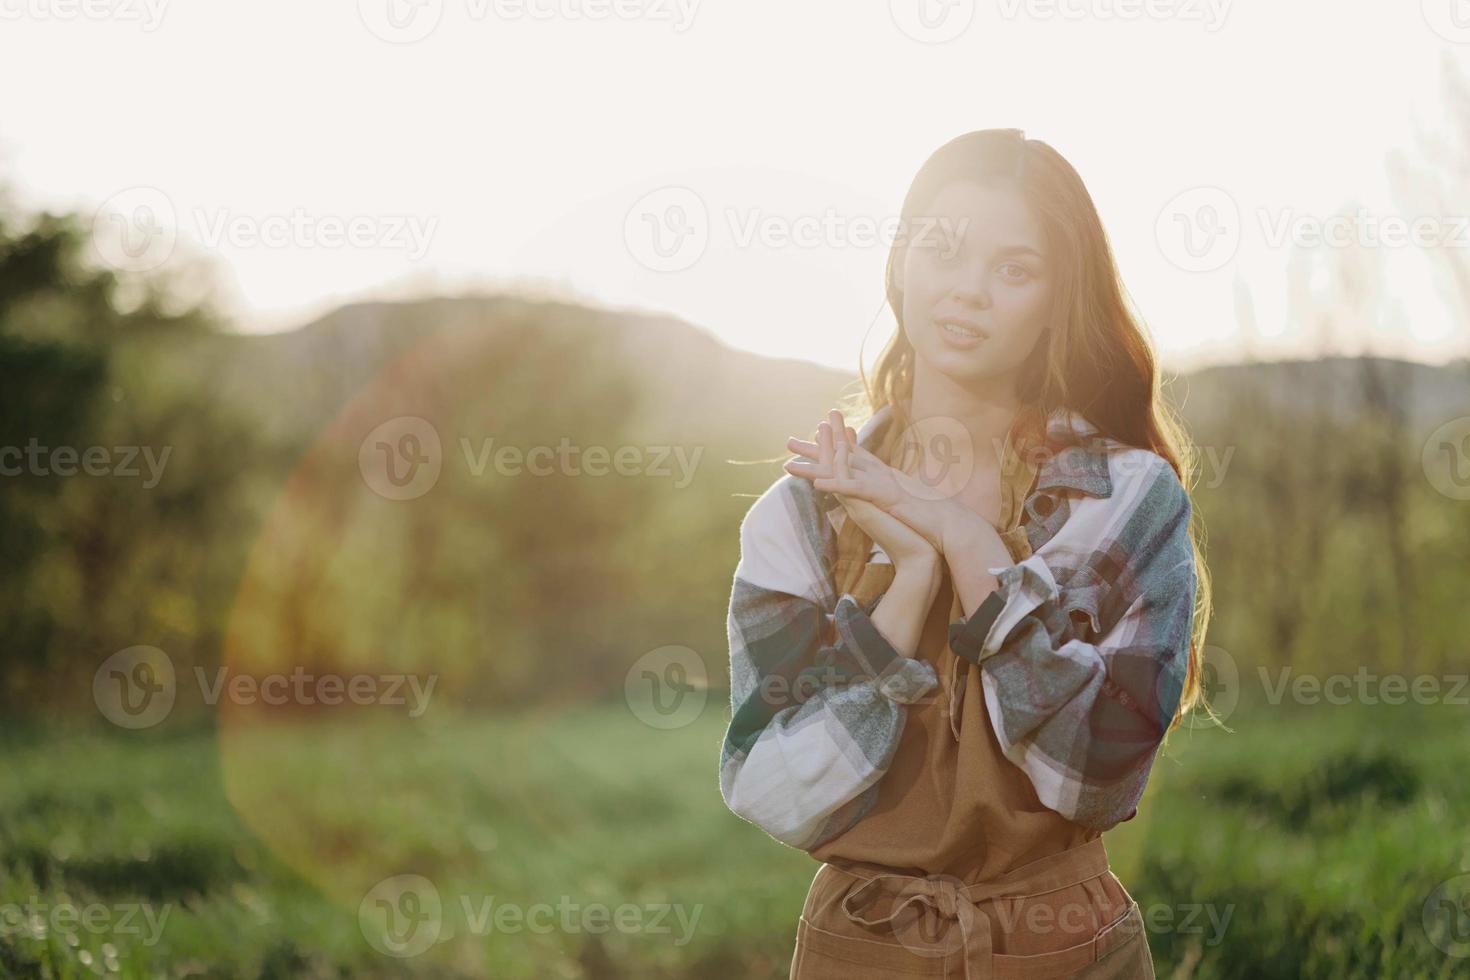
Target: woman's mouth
x,y
958,333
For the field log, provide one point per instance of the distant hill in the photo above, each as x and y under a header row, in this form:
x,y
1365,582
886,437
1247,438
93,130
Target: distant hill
x,y
692,387
1427,394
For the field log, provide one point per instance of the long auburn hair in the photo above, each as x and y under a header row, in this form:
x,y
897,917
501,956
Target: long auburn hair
x,y
1093,356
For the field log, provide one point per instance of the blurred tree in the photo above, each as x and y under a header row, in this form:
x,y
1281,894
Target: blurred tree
x,y
69,377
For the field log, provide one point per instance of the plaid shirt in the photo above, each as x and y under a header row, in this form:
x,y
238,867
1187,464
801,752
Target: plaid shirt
x,y
1082,647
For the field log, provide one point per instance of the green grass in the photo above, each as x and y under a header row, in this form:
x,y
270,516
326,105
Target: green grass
x,y
1319,831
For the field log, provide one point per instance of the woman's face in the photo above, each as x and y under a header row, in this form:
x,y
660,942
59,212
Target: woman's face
x,y
976,284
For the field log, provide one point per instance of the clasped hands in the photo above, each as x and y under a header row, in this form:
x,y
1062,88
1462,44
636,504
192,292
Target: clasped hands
x,y
913,525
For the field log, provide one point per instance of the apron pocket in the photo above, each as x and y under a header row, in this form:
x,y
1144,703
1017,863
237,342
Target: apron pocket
x,y
1074,961
821,954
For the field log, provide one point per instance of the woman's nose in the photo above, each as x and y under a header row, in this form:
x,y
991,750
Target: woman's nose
x,y
973,291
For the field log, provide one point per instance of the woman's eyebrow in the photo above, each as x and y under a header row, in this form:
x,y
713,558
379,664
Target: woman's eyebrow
x,y
1018,250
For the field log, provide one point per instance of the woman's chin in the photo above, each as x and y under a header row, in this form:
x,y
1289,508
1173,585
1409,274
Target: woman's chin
x,y
967,364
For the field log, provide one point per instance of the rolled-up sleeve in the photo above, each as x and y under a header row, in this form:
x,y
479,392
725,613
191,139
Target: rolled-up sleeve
x,y
1083,714
818,695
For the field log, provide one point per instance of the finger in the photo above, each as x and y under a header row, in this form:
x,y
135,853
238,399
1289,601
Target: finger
x,y
857,456
802,447
830,484
839,462
851,489
824,443
807,471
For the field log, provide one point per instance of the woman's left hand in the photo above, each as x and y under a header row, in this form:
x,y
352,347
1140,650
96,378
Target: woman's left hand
x,y
871,479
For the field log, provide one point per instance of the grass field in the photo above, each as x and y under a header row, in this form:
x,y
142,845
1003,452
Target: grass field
x,y
1306,844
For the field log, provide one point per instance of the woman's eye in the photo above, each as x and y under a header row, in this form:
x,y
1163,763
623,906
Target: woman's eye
x,y
942,251
1016,273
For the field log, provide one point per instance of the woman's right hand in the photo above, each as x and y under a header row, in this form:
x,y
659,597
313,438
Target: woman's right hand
x,y
904,546
900,494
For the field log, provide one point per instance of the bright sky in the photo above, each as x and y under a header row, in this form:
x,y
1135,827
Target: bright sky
x,y
622,150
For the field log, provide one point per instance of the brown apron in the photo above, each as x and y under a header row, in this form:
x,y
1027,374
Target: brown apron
x,y
959,870
861,921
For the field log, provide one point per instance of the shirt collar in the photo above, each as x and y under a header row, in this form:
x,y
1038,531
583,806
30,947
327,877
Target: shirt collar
x,y
1077,456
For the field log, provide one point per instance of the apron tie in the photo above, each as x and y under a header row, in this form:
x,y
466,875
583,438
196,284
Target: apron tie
x,y
953,900
946,895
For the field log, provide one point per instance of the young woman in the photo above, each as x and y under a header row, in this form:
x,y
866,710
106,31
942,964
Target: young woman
x,y
959,634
